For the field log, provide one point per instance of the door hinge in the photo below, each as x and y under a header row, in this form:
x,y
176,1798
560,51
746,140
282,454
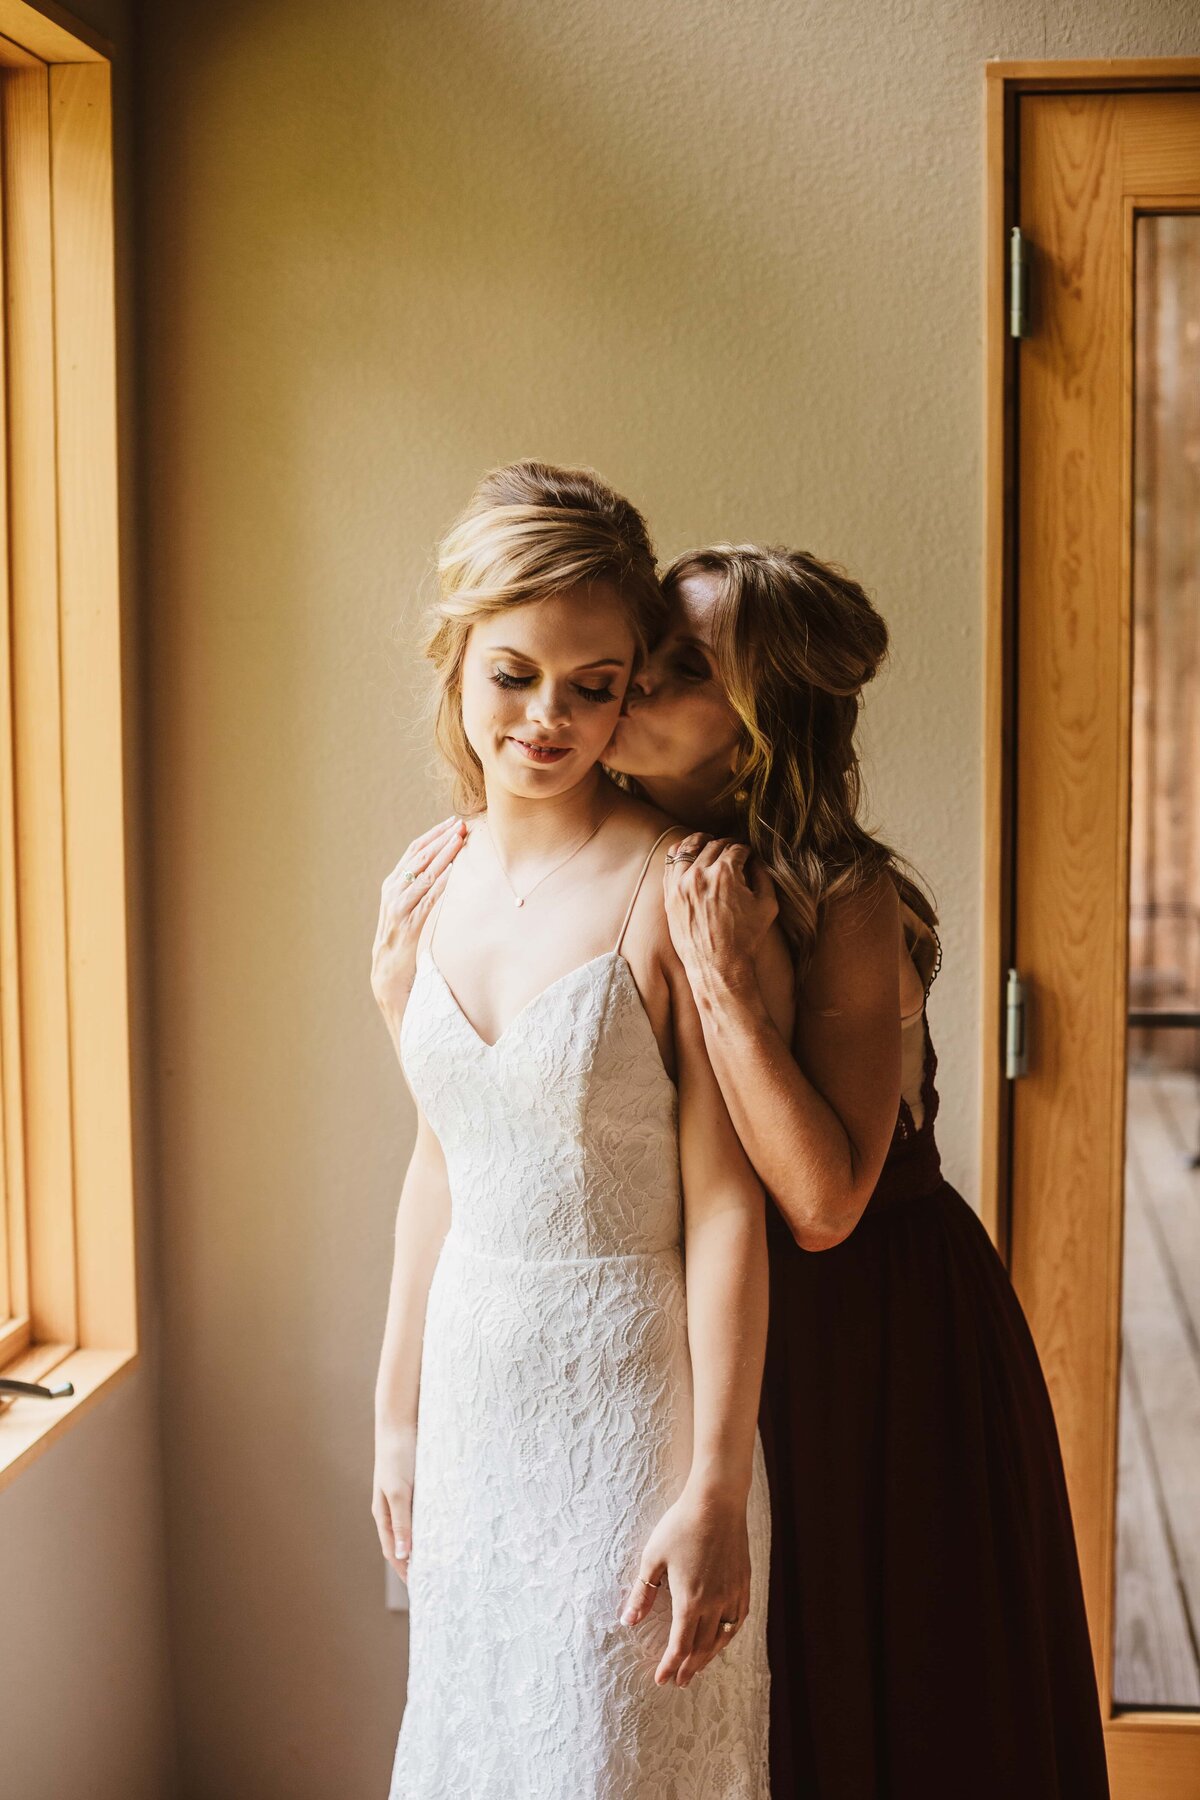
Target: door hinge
x,y
1016,1048
1018,285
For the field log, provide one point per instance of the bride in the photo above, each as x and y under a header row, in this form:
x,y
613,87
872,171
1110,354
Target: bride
x,y
568,1473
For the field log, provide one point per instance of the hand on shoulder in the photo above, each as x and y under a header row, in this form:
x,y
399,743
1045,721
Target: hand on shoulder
x,y
408,895
720,908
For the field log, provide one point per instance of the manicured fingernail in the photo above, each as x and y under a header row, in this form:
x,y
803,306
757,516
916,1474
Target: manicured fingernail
x,y
627,1618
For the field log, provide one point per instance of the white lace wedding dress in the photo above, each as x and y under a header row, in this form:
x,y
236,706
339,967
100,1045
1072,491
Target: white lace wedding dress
x,y
555,1420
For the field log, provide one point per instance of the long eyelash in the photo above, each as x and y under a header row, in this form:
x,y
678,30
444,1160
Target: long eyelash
x,y
598,695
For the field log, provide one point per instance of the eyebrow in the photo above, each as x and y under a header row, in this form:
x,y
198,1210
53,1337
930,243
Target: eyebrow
x,y
601,662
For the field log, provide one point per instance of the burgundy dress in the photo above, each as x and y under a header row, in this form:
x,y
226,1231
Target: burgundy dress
x,y
925,1623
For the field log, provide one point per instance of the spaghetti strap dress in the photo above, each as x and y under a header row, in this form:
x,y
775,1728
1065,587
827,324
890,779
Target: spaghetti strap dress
x,y
555,1417
926,1625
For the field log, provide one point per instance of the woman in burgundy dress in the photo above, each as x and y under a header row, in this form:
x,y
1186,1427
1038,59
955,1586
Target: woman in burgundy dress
x,y
926,1621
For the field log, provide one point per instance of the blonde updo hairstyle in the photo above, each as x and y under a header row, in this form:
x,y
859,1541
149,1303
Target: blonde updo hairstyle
x,y
796,640
530,530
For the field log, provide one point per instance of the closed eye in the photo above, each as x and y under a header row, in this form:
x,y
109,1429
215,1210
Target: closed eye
x,y
598,695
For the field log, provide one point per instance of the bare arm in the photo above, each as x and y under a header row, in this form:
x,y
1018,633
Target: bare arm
x,y
422,1220
725,1248
701,1542
817,1115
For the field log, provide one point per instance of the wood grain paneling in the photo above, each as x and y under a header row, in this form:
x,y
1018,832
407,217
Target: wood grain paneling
x,y
1081,165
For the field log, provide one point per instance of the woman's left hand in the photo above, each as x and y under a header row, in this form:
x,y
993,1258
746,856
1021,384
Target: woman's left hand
x,y
701,1546
721,902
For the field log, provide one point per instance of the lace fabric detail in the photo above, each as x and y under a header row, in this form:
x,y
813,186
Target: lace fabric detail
x,y
913,1123
555,1421
918,1101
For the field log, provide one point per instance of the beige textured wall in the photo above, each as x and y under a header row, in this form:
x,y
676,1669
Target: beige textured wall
x,y
86,1706
728,254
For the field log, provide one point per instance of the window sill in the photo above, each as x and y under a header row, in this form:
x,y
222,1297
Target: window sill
x,y
27,1425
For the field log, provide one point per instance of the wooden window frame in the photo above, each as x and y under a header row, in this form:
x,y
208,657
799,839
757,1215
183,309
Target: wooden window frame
x,y
66,1164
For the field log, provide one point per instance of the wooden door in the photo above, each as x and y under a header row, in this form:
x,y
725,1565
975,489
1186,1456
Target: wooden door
x,y
1104,1217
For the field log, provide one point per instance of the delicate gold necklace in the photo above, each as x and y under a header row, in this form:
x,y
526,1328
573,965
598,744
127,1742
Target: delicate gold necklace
x,y
520,899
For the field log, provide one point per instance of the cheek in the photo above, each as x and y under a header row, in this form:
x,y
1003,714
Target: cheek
x,y
697,724
688,732
665,737
718,727
483,706
596,725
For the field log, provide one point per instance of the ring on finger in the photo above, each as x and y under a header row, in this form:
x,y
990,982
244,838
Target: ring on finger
x,y
410,875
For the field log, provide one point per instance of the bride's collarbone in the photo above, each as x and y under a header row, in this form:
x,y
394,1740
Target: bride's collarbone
x,y
498,959
497,966
495,976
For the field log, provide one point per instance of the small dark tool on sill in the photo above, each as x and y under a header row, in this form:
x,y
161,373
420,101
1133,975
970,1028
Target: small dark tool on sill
x,y
59,1391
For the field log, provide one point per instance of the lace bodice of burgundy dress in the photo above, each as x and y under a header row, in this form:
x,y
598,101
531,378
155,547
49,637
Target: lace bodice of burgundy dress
x,y
913,1165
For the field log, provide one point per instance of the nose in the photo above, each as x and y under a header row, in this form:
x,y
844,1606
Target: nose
x,y
547,706
641,685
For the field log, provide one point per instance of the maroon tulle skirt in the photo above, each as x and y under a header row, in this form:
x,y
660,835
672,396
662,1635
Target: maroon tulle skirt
x,y
925,1622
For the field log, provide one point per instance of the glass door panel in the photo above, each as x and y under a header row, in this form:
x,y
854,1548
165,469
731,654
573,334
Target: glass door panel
x,y
1156,1643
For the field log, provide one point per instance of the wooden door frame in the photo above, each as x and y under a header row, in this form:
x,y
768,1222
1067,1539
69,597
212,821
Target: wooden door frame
x,y
1004,83
1137,1741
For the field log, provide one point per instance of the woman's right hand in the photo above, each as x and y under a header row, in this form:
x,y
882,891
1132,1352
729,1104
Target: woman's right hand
x,y
701,1546
391,1506
403,908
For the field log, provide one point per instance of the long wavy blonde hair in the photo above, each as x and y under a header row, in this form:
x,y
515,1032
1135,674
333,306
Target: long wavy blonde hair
x,y
796,640
530,530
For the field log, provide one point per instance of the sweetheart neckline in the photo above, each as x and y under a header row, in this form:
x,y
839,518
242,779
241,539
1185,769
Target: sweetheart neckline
x,y
578,969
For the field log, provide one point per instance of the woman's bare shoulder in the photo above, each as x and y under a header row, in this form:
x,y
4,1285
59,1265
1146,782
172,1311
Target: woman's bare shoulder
x,y
869,911
639,817
857,944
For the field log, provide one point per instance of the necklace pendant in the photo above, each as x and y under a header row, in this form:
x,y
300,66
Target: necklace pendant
x,y
519,899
